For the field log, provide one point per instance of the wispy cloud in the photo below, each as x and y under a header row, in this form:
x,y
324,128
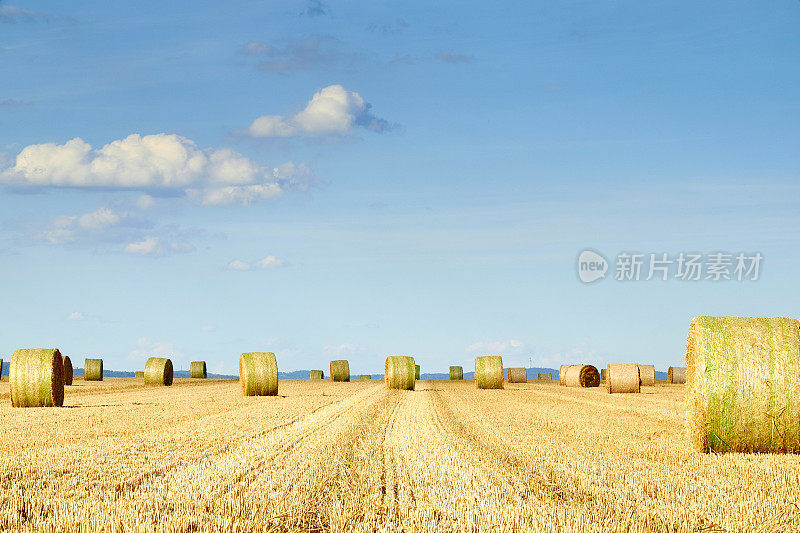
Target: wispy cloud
x,y
11,102
318,51
332,111
495,347
314,8
390,29
75,316
12,14
451,57
267,263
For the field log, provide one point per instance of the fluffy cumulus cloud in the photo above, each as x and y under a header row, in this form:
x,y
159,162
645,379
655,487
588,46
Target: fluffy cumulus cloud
x,y
147,162
156,246
496,347
332,111
269,262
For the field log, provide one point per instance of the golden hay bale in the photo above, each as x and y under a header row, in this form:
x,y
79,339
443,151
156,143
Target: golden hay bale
x,y
316,374
138,374
364,377
676,374
562,374
489,372
582,376
399,372
647,375
743,384
547,376
158,371
197,369
258,374
93,370
416,371
36,378
456,373
623,378
67,363
517,375
602,374
340,370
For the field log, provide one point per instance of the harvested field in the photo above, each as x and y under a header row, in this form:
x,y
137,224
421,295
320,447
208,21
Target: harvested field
x,y
325,456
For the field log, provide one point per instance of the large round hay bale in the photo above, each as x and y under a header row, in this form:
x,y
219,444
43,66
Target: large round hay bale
x,y
456,373
546,376
67,363
517,375
340,370
158,371
258,374
197,369
93,370
676,374
416,371
399,372
743,384
316,374
562,374
623,378
138,374
36,378
603,374
647,375
489,372
582,376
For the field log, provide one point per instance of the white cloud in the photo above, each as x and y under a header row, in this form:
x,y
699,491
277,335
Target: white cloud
x,y
332,110
340,350
208,328
238,265
146,348
102,218
270,262
145,202
149,246
496,347
242,194
58,236
75,315
12,14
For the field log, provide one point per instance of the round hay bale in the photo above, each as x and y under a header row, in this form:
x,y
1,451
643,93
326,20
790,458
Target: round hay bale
x,y
340,370
547,376
416,371
138,374
456,373
562,374
158,371
36,378
316,374
623,378
582,376
197,369
67,363
489,372
603,374
93,370
399,372
743,384
364,377
676,374
517,375
258,374
647,375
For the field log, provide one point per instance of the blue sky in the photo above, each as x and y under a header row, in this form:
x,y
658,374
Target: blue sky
x,y
352,180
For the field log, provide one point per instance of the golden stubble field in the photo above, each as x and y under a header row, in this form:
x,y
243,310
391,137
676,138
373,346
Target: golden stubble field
x,y
326,456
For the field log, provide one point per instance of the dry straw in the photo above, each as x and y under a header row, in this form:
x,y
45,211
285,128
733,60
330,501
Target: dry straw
x,y
676,374
197,369
399,372
517,375
456,373
602,374
547,376
647,375
1,368
364,377
340,370
489,372
258,374
623,378
316,374
158,371
138,374
36,378
416,371
67,364
93,370
743,384
582,376
562,374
